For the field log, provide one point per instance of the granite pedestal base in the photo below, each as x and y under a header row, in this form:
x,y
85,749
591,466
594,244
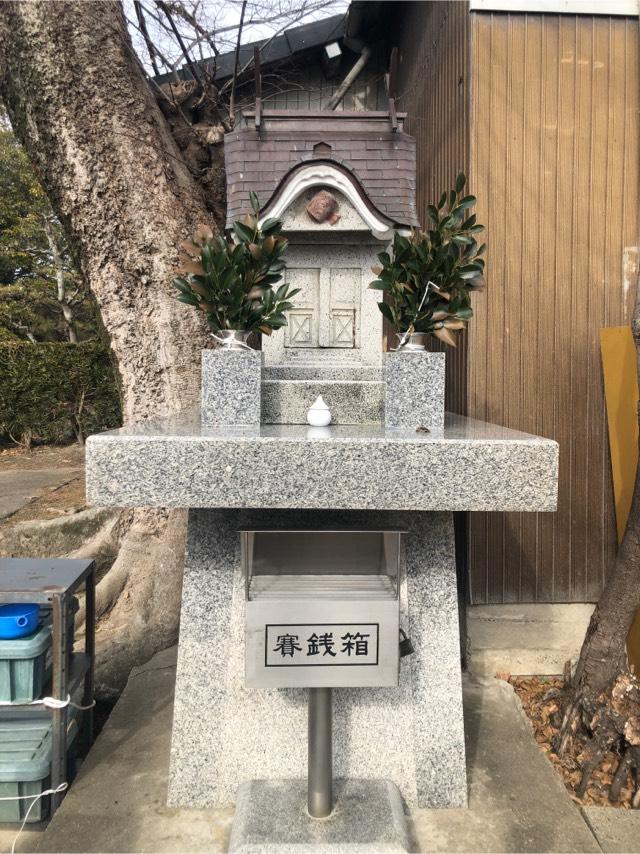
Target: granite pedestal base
x,y
350,402
225,735
414,395
271,816
230,392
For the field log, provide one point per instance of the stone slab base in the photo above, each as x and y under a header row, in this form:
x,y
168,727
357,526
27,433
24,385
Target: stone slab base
x,y
350,402
225,734
271,816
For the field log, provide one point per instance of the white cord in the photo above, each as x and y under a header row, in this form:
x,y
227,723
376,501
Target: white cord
x,y
34,799
51,703
406,334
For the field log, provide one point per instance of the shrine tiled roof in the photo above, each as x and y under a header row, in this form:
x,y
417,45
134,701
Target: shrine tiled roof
x,y
363,144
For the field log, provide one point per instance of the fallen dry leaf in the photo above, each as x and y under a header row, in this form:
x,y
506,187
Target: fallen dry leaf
x,y
543,701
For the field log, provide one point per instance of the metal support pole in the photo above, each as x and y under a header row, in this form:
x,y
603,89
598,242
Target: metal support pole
x,y
89,648
319,796
59,684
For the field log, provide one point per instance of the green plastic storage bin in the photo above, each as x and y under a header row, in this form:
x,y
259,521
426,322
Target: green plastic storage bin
x,y
25,666
25,768
25,663
25,764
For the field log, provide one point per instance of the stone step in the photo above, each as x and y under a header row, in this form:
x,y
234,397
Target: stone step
x,y
316,371
287,401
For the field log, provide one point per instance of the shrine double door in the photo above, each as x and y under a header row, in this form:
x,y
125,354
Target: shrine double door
x,y
327,308
335,317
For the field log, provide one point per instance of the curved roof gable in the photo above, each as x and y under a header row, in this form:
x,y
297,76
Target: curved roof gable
x,y
381,162
325,173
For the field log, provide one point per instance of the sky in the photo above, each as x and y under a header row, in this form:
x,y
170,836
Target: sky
x,y
221,18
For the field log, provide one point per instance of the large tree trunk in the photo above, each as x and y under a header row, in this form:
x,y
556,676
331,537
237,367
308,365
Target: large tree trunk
x,y
79,102
604,694
604,651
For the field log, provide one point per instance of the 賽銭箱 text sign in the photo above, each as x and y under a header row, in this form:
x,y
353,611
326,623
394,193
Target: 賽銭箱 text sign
x,y
321,644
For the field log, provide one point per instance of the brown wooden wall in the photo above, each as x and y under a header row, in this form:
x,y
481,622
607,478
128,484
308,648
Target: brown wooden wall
x,y
554,135
306,88
433,87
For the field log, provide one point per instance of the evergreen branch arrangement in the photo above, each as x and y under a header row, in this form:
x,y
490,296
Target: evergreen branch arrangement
x,y
429,277
231,279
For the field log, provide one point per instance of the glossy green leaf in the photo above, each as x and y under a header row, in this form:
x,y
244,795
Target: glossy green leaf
x,y
243,232
433,213
234,287
386,311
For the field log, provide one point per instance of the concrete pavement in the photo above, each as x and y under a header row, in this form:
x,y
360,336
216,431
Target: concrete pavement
x,y
517,801
25,476
18,487
617,831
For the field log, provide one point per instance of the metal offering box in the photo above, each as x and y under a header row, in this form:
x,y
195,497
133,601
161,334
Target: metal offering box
x,y
322,608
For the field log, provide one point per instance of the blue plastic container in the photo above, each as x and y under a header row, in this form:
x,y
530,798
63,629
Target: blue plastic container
x,y
18,620
25,663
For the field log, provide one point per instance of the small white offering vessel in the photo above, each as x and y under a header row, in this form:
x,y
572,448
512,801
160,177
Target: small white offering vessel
x,y
319,415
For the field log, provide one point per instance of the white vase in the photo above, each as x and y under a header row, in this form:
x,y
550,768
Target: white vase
x,y
319,414
413,343
231,339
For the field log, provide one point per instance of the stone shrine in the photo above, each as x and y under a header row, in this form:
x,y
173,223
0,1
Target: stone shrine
x,y
249,463
366,171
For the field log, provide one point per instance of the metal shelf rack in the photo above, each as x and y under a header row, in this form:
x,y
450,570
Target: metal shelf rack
x,y
53,582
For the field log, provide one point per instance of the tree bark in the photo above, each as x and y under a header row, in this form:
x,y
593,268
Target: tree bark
x,y
79,103
604,694
604,652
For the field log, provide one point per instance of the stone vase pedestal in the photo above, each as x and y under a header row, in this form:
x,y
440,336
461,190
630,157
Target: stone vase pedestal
x,y
231,382
414,389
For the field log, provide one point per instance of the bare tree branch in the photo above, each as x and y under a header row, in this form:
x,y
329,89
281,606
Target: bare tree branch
x,y
145,35
304,10
158,90
232,99
163,59
192,67
291,17
179,9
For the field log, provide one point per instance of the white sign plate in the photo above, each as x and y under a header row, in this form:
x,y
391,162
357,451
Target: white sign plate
x,y
311,643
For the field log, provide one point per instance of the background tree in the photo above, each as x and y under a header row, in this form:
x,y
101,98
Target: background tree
x,y
42,297
129,180
78,100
